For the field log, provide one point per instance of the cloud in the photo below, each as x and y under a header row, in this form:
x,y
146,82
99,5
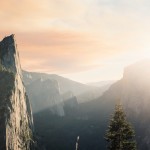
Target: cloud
x,y
60,51
64,36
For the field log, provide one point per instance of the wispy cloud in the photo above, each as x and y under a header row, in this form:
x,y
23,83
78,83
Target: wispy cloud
x,y
66,36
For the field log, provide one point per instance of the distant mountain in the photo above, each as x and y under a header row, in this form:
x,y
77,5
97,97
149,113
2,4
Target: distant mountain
x,y
49,91
45,94
91,118
65,84
134,92
16,123
102,83
135,95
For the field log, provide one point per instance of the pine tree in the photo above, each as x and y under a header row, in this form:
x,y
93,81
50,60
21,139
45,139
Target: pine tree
x,y
120,134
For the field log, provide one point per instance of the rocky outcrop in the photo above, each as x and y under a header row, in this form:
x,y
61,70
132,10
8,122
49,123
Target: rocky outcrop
x,y
16,124
45,94
70,100
70,103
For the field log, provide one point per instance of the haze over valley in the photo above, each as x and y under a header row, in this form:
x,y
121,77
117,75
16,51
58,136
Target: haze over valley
x,y
74,75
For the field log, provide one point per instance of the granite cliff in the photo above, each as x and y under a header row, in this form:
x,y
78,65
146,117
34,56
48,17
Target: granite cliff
x,y
45,94
16,124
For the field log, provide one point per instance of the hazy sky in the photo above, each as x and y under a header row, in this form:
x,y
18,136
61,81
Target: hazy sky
x,y
85,40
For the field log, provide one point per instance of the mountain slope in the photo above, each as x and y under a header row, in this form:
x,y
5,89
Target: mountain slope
x,y
64,84
45,95
91,118
16,123
133,91
48,90
102,83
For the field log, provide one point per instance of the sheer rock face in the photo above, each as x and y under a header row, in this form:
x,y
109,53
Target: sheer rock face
x,y
16,122
45,94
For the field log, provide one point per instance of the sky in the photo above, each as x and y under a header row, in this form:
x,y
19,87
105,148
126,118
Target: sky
x,y
84,40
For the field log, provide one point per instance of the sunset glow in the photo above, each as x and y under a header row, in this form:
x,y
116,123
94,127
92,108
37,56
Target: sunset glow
x,y
84,40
